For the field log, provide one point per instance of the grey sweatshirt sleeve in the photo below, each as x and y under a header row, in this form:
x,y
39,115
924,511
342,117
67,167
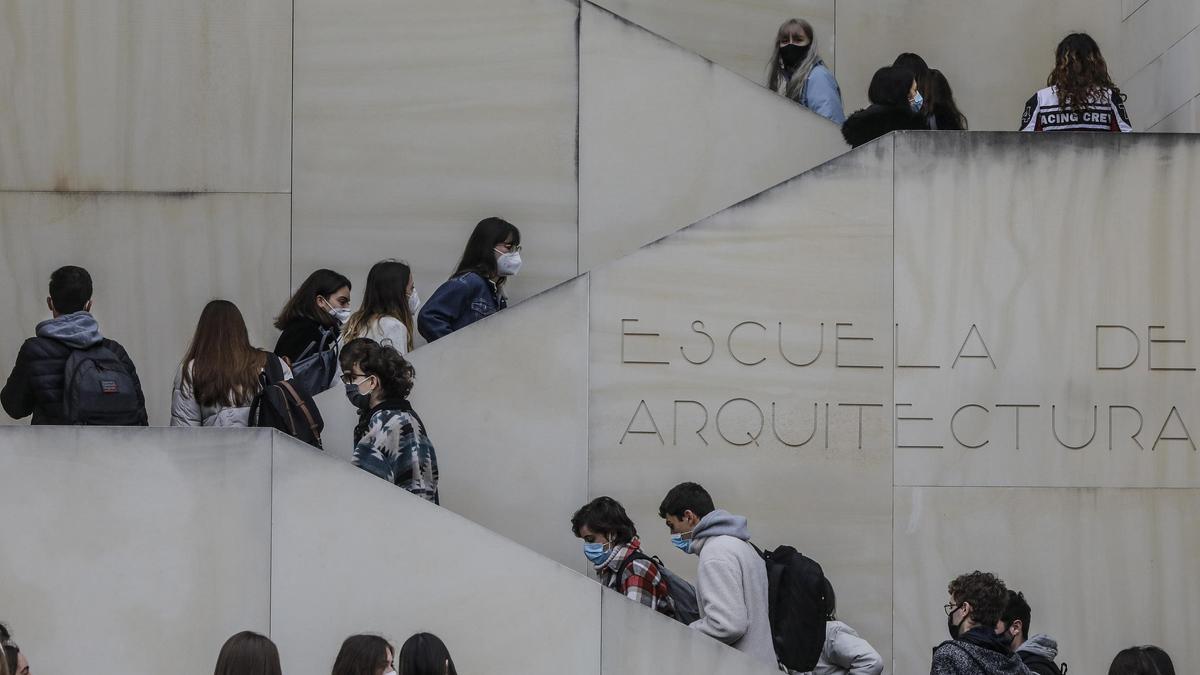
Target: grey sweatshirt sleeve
x,y
724,615
853,653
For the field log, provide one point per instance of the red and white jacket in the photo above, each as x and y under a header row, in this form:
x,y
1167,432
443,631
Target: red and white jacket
x,y
1043,112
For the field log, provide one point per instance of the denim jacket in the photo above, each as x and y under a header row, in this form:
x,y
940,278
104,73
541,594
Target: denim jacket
x,y
822,95
459,302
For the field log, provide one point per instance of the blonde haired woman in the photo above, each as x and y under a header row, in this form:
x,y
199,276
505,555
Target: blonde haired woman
x,y
797,71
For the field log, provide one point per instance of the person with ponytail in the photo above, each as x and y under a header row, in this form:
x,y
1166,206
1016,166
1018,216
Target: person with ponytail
x,y
390,439
1080,95
796,71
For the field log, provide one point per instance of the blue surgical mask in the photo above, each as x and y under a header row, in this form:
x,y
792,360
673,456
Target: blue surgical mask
x,y
917,102
682,544
595,553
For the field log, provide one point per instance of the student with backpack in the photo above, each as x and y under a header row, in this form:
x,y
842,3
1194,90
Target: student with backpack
x,y
611,544
731,582
313,317
69,373
221,373
844,652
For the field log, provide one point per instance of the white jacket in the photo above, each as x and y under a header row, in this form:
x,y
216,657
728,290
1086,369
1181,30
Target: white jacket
x,y
388,331
845,653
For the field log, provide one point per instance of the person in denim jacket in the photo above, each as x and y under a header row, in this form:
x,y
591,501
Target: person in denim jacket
x,y
796,71
476,290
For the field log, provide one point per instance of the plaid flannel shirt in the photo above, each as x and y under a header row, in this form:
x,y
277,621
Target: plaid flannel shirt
x,y
641,580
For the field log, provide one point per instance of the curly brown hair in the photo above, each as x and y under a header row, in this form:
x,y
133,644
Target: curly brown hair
x,y
1080,73
985,591
395,373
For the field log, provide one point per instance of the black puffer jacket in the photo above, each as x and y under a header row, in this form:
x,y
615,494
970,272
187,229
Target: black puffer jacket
x,y
876,120
36,383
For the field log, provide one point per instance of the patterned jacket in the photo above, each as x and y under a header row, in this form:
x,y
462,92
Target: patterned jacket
x,y
394,446
640,580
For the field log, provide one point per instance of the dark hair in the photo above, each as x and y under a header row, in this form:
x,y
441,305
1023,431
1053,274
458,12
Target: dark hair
x,y
890,86
986,593
605,515
385,295
686,497
10,650
1080,72
1017,609
913,64
395,373
829,602
939,103
248,653
479,254
303,303
361,655
1143,660
224,365
70,289
424,654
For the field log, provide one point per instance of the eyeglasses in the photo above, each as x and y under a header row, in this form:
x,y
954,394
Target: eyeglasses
x,y
349,378
509,248
950,607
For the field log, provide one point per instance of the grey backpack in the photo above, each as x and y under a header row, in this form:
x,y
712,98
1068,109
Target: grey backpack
x,y
99,390
681,592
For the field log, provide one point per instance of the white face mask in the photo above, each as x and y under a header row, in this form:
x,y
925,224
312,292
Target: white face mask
x,y
414,301
342,314
508,264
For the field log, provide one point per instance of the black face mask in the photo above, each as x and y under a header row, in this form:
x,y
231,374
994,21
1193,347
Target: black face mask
x,y
357,399
792,55
954,628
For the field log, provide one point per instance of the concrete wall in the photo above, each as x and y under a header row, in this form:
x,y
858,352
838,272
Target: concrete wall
x,y
416,120
155,260
666,138
1160,48
149,547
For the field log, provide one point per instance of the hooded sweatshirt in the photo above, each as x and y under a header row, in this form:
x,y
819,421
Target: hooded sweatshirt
x,y
37,379
979,651
1038,654
731,586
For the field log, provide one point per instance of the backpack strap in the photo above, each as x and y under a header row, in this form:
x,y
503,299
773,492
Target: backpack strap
x,y
273,369
298,401
636,555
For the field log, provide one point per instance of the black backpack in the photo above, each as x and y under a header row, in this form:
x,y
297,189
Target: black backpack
x,y
682,593
281,405
99,390
796,606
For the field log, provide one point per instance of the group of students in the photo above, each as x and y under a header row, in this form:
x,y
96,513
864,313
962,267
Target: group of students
x,y
69,373
736,599
909,95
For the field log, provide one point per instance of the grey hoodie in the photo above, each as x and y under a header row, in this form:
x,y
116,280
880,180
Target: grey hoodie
x,y
78,330
731,586
1038,654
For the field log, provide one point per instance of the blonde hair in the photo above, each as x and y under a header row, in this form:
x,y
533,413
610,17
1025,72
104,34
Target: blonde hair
x,y
775,74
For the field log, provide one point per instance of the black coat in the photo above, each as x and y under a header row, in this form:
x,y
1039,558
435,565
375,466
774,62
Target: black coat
x,y
874,121
298,335
37,380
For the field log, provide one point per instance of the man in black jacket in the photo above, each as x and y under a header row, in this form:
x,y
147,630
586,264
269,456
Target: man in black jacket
x,y
1037,652
37,382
